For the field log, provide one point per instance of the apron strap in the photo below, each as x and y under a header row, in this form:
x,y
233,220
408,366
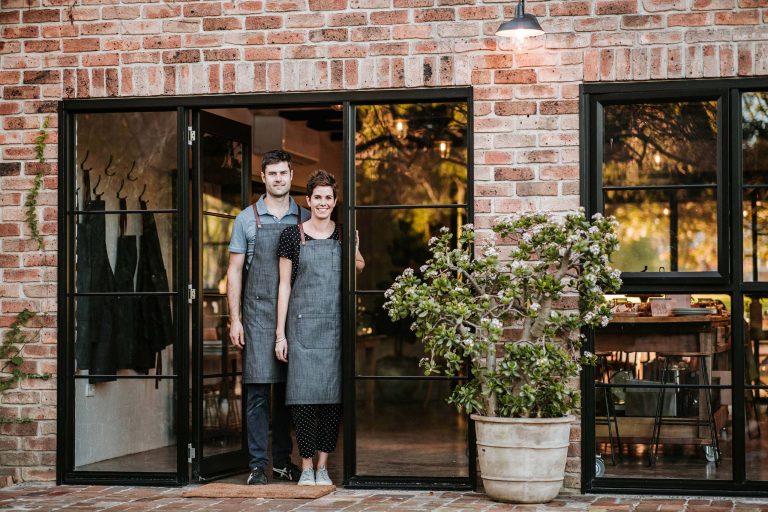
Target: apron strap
x,y
256,215
301,233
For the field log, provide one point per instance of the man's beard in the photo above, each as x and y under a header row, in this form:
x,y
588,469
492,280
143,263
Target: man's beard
x,y
278,196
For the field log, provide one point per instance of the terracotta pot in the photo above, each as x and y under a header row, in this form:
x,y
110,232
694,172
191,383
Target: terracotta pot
x,y
522,460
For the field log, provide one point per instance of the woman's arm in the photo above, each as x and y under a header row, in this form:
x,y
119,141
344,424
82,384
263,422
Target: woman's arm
x,y
359,260
283,295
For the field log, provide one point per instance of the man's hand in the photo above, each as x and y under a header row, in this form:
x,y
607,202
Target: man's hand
x,y
281,350
236,336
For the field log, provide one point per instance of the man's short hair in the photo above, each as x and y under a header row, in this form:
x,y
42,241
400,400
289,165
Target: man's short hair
x,y
275,157
321,178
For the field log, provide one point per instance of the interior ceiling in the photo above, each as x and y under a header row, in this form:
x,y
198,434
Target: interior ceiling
x,y
319,119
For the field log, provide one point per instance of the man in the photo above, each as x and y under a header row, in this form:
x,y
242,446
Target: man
x,y
253,247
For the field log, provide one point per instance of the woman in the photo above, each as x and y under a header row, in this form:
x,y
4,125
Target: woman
x,y
309,305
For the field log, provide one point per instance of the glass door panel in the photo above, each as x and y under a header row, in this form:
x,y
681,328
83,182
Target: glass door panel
x,y
222,164
123,291
411,173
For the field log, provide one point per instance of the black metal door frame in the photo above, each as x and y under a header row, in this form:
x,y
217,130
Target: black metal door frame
x,y
185,107
215,466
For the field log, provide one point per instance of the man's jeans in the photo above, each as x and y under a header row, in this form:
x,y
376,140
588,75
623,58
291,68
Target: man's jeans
x,y
257,420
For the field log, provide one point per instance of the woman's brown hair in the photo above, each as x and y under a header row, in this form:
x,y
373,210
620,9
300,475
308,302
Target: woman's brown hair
x,y
321,178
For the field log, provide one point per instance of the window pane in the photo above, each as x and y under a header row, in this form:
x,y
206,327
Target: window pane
x,y
217,232
125,252
222,173
755,223
125,426
660,144
113,144
407,429
754,107
219,355
222,415
673,229
117,335
756,374
411,154
666,339
393,240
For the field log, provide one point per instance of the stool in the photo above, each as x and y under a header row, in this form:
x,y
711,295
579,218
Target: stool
x,y
610,412
708,421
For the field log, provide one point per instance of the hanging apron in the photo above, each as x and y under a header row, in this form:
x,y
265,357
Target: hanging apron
x,y
126,306
260,365
314,325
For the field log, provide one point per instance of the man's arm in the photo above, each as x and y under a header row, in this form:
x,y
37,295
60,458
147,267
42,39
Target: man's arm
x,y
234,290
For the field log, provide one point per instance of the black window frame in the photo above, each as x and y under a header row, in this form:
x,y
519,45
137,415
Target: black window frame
x,y
728,280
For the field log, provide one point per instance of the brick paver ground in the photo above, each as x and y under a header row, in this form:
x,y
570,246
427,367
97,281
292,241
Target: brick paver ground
x,y
123,499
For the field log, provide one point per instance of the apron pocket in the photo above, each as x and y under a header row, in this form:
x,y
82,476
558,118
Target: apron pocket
x,y
318,331
264,313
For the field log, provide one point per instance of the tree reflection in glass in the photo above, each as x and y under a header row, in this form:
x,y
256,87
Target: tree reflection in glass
x,y
754,107
660,180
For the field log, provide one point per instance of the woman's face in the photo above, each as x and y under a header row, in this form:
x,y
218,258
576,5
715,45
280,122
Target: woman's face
x,y
322,202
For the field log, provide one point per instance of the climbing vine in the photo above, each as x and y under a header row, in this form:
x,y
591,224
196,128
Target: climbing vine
x,y
10,352
31,203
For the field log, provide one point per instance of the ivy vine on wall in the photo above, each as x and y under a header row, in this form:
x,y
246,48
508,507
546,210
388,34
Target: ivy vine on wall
x,y
31,203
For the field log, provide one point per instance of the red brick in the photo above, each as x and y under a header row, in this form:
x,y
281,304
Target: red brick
x,y
737,18
162,11
513,173
713,4
347,19
665,5
642,22
9,17
43,46
412,32
52,76
120,12
369,34
263,53
693,19
24,31
222,24
389,17
570,8
515,76
616,6
312,20
21,92
181,56
164,41
559,107
428,15
263,22
536,189
107,27
199,9
221,54
478,13
327,5
41,15
81,45
289,37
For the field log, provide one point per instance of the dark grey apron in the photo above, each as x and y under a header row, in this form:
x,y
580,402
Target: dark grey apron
x,y
260,307
314,325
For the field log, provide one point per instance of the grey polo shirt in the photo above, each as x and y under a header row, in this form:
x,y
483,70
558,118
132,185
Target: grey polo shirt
x,y
244,231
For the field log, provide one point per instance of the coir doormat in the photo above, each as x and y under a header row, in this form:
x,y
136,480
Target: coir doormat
x,y
281,491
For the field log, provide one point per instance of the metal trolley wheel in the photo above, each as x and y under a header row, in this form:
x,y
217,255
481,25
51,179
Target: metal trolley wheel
x,y
710,452
599,466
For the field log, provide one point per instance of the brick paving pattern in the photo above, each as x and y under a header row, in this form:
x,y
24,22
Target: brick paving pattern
x,y
124,499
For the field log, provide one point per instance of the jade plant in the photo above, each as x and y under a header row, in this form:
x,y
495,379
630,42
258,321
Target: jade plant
x,y
464,303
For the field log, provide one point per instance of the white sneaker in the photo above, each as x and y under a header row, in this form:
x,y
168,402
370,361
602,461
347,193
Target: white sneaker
x,y
307,477
322,478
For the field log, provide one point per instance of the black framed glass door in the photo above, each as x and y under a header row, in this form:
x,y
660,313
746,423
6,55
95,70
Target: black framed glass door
x,y
410,178
120,322
221,170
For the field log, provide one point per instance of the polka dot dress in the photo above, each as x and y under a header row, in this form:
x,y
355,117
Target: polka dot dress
x,y
289,246
317,427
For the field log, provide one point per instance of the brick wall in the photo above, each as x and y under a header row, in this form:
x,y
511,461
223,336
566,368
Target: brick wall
x,y
526,102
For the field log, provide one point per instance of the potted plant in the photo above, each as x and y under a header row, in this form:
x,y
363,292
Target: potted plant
x,y
517,319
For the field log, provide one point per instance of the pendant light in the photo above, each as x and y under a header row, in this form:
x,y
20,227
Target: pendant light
x,y
521,26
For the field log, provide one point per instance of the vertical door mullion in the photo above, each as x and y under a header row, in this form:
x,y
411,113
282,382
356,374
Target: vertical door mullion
x,y
181,351
195,309
735,178
349,298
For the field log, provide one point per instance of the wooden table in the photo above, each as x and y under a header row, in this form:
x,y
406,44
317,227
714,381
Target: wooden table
x,y
699,333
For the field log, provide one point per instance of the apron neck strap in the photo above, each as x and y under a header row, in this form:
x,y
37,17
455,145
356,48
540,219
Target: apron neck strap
x,y
256,215
301,233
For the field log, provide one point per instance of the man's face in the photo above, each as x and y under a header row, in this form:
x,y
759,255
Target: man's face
x,y
277,178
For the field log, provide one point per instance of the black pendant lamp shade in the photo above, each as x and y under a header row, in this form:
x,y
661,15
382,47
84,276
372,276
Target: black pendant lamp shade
x,y
523,25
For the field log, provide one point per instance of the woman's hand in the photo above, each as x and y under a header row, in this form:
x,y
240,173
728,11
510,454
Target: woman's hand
x,y
359,260
281,350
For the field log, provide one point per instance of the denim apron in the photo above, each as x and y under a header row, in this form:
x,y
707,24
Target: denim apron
x,y
314,325
260,307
